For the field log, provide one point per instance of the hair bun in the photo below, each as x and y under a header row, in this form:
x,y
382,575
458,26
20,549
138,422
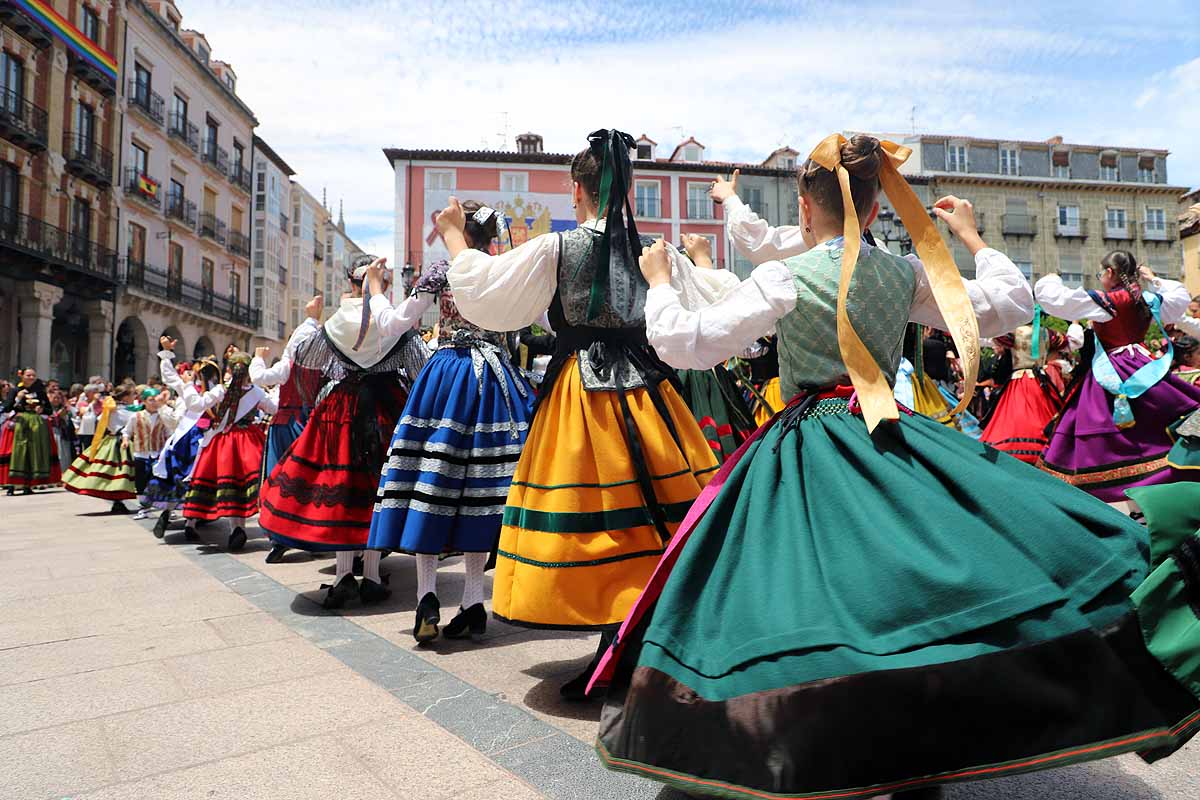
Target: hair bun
x,y
862,156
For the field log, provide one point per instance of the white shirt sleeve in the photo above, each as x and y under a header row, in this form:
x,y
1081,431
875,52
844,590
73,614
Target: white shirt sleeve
x,y
1075,336
755,239
166,369
269,402
127,430
509,291
395,320
1059,300
700,339
999,294
1175,299
262,375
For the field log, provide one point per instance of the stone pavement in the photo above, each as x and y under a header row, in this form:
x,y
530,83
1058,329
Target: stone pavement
x,y
134,668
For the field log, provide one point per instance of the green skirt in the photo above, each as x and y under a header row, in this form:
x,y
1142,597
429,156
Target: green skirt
x,y
718,406
855,615
28,456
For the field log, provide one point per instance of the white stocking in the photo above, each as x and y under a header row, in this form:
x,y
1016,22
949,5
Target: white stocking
x,y
371,565
426,575
344,565
473,588
237,522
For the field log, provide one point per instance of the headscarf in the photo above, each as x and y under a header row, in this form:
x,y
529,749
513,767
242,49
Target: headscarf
x,y
874,395
620,244
357,271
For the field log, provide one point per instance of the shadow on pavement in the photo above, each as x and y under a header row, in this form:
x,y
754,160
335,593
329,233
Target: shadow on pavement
x,y
1100,780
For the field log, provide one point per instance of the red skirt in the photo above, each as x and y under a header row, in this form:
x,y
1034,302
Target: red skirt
x,y
320,496
1018,425
225,479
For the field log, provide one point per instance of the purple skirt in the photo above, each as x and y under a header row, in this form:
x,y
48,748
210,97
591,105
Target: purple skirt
x,y
1088,450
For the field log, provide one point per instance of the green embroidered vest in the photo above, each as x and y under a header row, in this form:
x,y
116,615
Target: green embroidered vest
x,y
878,304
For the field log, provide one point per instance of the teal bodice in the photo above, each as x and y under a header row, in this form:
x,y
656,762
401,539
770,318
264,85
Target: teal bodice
x,y
880,298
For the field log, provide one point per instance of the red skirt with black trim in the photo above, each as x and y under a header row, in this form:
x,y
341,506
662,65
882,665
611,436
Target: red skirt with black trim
x,y
321,494
225,480
1018,425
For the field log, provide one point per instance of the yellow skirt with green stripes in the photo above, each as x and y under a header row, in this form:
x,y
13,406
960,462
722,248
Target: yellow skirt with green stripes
x,y
578,543
774,397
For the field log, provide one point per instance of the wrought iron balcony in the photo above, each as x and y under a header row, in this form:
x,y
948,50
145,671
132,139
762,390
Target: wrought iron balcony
x,y
1076,229
88,160
700,209
239,244
215,156
149,103
1018,224
158,283
36,241
142,187
87,72
1118,233
185,132
181,211
23,123
26,26
212,228
1153,232
647,207
239,176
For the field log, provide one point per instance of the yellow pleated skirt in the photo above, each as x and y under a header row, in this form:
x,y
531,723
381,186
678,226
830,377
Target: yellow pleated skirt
x,y
578,543
774,397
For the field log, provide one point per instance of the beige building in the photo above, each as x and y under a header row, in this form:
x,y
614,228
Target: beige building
x,y
1189,238
307,259
185,194
59,123
272,240
1054,206
340,251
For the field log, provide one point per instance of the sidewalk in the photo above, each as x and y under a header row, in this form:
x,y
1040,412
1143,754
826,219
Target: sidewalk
x,y
135,668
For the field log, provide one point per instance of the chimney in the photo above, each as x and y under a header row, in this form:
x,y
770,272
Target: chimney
x,y
529,143
1054,140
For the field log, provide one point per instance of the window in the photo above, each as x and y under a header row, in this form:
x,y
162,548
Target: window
x,y
85,129
1009,163
1114,220
10,196
206,275
211,130
239,157
141,85
514,182
139,158
1061,163
956,158
81,219
12,80
229,82
1070,267
699,203
202,51
235,287
439,180
262,181
644,152
175,270
180,111
137,244
1109,171
89,24
1068,219
789,163
647,202
1026,268
1146,169
1156,220
175,199
753,198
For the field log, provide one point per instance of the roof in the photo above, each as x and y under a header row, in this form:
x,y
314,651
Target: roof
x,y
1052,142
683,144
645,138
266,149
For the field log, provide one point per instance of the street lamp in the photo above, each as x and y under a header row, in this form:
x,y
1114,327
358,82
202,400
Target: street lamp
x,y
893,230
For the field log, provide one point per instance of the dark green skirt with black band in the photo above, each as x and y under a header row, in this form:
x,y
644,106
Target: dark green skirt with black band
x,y
856,615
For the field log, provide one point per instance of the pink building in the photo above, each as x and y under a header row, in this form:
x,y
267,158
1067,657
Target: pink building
x,y
533,189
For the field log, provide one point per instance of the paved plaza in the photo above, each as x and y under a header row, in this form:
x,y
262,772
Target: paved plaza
x,y
135,668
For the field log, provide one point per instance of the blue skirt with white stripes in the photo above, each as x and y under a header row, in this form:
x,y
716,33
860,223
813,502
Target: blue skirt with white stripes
x,y
445,482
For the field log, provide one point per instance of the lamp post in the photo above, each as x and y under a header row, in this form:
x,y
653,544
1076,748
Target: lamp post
x,y
893,230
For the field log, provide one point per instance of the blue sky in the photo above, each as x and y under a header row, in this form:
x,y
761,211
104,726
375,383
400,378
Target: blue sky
x,y
334,82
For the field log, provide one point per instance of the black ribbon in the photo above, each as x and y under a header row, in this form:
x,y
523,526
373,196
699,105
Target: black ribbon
x,y
620,236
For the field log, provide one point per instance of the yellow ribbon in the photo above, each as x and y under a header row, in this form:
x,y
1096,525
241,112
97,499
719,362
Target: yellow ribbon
x,y
874,394
102,425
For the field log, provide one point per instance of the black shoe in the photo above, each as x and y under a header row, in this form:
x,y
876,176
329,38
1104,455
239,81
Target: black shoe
x,y
189,533
237,539
340,592
119,508
276,554
575,690
27,490
428,616
926,793
357,567
160,524
371,592
10,492
469,622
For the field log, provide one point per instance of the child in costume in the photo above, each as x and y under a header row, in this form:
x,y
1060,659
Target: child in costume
x,y
918,631
1113,430
614,456
456,446
146,434
105,469
321,494
295,384
224,480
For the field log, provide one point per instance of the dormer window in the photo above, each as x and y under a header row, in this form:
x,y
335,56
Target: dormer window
x,y
956,158
230,82
691,153
202,51
789,163
1061,163
643,152
1146,169
1109,170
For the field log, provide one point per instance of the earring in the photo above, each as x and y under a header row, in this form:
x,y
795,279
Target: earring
x,y
808,229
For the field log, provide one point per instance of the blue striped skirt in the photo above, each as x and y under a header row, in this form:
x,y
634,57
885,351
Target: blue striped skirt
x,y
445,482
279,439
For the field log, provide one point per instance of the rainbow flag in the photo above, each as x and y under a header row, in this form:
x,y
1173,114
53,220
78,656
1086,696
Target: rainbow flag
x,y
80,45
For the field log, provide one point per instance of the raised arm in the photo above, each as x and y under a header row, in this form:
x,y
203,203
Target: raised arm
x,y
753,237
1175,296
261,374
1059,300
703,338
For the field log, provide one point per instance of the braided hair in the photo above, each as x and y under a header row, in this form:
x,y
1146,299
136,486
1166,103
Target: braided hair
x,y
1125,267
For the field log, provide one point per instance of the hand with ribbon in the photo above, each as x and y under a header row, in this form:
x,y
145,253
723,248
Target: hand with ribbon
x,y
656,264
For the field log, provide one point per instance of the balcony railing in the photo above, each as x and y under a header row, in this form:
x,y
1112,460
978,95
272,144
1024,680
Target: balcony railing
x,y
32,237
142,187
215,156
318,250
87,159
1076,229
212,228
87,72
1153,232
30,29
1018,224
158,283
239,244
1122,232
23,123
146,101
185,132
239,176
648,207
182,211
